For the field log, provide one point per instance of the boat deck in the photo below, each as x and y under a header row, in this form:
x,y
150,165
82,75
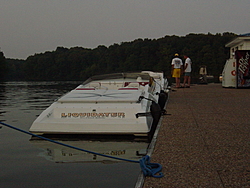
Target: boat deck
x,y
90,96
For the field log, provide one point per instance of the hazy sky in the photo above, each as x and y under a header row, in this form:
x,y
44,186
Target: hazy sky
x,y
35,26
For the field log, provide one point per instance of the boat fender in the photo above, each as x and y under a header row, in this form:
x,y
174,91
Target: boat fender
x,y
156,114
162,99
151,80
155,110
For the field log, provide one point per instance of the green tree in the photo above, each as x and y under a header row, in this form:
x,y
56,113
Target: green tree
x,y
2,66
79,63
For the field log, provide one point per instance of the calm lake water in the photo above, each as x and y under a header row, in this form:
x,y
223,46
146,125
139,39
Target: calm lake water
x,y
36,163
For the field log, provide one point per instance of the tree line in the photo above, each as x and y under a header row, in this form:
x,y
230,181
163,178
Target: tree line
x,y
78,63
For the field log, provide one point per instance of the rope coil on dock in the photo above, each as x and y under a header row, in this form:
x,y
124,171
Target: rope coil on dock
x,y
148,169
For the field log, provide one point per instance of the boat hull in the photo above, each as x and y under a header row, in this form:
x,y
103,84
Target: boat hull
x,y
84,110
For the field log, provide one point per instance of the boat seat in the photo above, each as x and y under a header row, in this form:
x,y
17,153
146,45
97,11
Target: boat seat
x,y
133,85
86,88
95,85
128,88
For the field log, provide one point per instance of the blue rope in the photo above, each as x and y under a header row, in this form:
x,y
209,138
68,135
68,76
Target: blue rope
x,y
148,169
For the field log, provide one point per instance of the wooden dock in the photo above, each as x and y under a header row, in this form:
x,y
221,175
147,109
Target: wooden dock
x,y
205,139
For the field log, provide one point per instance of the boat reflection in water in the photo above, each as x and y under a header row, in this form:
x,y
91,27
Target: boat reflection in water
x,y
119,148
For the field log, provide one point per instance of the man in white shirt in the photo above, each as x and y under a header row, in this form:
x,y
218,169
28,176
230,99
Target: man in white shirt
x,y
176,70
187,71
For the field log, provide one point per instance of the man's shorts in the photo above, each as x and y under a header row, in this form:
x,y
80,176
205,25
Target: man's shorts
x,y
176,73
187,74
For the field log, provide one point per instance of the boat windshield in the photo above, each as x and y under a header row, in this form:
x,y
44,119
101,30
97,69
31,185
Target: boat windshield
x,y
133,75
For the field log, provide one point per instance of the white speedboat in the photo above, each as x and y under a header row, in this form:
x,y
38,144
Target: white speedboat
x,y
121,103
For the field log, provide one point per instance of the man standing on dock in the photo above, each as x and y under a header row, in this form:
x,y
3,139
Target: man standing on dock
x,y
187,71
176,70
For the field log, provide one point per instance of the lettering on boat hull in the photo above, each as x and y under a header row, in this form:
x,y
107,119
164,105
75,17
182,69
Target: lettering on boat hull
x,y
94,115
